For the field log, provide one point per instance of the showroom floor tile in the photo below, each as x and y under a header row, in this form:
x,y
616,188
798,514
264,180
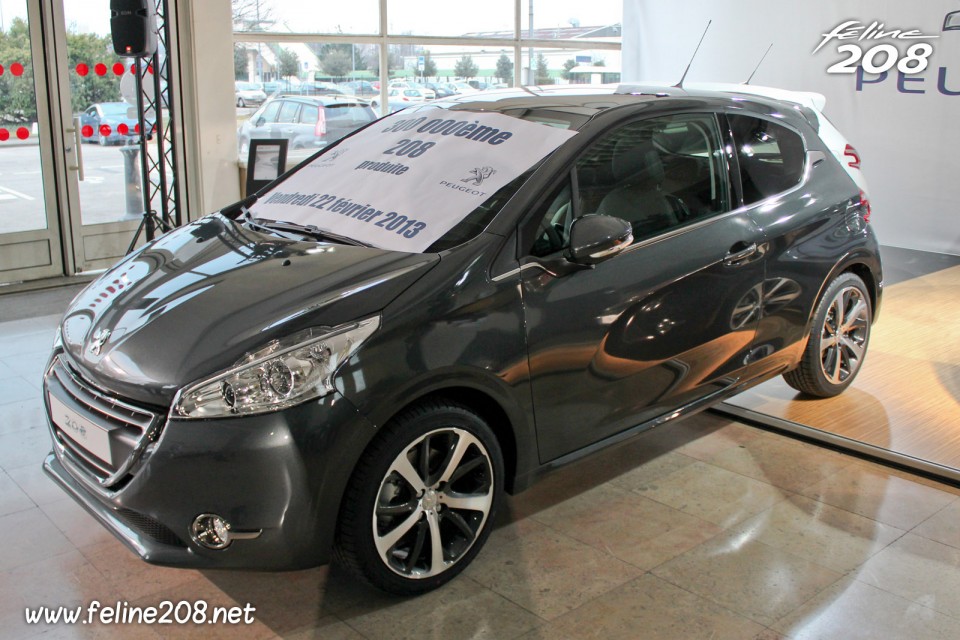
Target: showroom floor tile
x,y
706,528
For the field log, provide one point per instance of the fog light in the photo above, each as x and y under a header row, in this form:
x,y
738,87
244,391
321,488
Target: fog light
x,y
211,531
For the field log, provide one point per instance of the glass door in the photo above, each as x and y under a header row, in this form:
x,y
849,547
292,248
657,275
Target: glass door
x,y
30,240
100,135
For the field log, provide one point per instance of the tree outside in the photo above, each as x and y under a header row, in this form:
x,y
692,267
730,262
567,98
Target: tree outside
x,y
505,68
336,64
567,66
466,68
288,63
542,74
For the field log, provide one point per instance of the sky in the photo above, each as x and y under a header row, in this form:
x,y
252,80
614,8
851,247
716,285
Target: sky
x,y
425,17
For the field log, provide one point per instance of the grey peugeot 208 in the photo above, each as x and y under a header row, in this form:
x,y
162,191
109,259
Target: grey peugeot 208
x,y
359,360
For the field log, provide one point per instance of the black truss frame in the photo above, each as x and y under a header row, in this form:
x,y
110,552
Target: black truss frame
x,y
159,174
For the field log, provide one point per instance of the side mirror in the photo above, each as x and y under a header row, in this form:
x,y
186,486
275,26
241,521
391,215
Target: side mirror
x,y
259,121
594,238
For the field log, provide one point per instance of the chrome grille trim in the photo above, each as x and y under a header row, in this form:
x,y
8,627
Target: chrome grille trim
x,y
96,474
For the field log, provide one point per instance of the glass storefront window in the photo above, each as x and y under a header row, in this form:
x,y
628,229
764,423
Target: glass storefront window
x,y
21,182
443,18
296,16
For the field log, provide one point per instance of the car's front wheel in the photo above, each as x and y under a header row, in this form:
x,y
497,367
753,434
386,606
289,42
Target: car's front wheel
x,y
838,339
421,502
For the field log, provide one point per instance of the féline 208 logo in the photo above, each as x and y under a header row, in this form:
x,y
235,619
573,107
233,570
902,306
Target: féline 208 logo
x,y
868,48
878,58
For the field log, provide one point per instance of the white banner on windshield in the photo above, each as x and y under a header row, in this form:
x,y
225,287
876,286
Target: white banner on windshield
x,y
406,180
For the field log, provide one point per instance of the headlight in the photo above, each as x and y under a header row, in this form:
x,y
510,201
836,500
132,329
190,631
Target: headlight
x,y
283,373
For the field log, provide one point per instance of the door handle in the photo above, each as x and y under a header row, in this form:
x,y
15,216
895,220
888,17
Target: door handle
x,y
79,150
738,253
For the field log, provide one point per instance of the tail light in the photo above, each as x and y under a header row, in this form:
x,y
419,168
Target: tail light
x,y
853,157
320,129
865,206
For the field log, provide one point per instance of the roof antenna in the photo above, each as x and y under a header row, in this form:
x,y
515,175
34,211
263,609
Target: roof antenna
x,y
679,85
758,64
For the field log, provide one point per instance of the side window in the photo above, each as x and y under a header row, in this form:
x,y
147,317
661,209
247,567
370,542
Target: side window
x,y
656,174
270,112
553,233
771,157
309,114
288,112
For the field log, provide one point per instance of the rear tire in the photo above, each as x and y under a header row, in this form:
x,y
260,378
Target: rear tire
x,y
422,500
839,335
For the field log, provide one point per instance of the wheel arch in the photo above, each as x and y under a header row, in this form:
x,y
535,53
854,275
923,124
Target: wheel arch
x,y
484,404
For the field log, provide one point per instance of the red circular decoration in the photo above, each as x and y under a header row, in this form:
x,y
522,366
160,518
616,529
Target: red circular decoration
x,y
123,129
1,69
16,69
23,133
86,131
4,135
133,68
136,128
105,130
118,68
82,69
100,69
150,69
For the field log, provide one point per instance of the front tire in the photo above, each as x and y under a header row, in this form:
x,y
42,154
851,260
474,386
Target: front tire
x,y
838,340
421,501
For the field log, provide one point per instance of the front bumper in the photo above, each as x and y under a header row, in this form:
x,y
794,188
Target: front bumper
x,y
278,478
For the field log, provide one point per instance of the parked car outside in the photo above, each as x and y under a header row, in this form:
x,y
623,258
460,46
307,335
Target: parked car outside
x,y
308,122
275,87
249,94
427,92
358,88
402,95
440,89
360,360
311,88
109,123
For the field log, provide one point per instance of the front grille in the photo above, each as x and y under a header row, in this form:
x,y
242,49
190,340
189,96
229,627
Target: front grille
x,y
149,527
130,428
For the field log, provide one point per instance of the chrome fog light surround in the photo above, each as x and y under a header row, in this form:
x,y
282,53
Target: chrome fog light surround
x,y
211,531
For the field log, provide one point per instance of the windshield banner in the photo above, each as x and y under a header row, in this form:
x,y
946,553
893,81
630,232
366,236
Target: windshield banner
x,y
406,180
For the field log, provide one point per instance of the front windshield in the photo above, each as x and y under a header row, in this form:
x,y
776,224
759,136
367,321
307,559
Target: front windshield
x,y
406,181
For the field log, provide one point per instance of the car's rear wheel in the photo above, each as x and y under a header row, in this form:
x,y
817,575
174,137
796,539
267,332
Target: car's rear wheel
x,y
421,502
241,103
838,340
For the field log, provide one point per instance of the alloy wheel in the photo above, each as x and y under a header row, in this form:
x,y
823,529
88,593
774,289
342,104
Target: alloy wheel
x,y
844,335
433,502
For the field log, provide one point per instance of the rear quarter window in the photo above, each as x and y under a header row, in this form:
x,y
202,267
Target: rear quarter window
x,y
771,157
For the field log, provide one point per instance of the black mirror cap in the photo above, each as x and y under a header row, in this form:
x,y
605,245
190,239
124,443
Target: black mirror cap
x,y
595,237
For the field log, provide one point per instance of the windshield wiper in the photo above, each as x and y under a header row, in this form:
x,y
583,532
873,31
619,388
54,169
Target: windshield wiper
x,y
308,230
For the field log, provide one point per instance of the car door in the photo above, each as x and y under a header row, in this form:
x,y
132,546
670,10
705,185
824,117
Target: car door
x,y
260,123
662,324
286,124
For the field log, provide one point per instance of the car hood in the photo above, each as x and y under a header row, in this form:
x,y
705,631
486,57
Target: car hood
x,y
196,300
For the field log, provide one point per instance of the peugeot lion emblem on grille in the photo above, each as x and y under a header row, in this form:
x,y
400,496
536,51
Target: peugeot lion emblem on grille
x,y
99,339
479,175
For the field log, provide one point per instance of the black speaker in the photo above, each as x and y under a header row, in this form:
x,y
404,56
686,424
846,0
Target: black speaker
x,y
133,24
